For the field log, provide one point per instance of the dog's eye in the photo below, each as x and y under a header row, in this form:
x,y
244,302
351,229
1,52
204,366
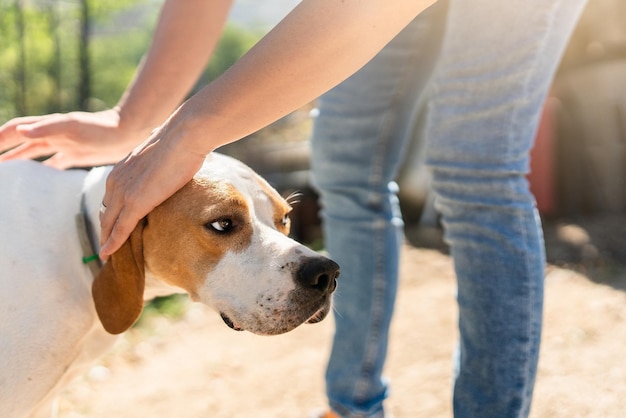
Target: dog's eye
x,y
222,225
285,221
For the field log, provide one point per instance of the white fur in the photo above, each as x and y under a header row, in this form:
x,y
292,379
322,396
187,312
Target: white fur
x,y
49,330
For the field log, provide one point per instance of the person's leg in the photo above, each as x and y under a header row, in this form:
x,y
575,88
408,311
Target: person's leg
x,y
497,62
357,146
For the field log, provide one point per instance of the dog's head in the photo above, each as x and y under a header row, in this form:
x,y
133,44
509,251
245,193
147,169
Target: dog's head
x,y
223,239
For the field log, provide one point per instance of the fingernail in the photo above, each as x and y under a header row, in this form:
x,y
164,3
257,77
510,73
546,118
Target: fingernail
x,y
104,254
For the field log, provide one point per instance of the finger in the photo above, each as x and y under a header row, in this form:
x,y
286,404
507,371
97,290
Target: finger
x,y
9,140
120,232
9,136
13,123
50,126
108,218
109,214
28,150
18,130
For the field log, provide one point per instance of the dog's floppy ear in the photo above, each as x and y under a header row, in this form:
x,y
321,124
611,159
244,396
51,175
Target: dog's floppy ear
x,y
118,289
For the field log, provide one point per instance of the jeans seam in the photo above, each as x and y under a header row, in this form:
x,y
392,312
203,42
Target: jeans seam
x,y
375,178
531,286
388,122
378,290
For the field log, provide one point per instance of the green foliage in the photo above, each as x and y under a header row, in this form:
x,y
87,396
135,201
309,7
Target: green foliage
x,y
235,42
114,60
172,307
39,65
49,65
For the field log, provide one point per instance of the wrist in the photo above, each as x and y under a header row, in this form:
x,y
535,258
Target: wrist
x,y
133,125
191,130
188,135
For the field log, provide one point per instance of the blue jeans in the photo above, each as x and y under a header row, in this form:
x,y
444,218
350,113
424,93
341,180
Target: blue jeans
x,y
482,70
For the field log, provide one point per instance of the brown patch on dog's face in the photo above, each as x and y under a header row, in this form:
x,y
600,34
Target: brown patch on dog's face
x,y
223,239
202,222
282,209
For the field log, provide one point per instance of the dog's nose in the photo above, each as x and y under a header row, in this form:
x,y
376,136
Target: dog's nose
x,y
318,273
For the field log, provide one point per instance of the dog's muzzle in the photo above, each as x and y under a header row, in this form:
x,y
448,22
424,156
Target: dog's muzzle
x,y
309,302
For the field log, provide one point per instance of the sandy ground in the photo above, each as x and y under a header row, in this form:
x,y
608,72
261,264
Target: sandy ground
x,y
197,367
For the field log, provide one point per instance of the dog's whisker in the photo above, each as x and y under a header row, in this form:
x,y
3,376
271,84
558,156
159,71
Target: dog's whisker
x,y
294,197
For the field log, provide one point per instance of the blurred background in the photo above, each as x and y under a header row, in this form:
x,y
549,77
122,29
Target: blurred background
x,y
63,55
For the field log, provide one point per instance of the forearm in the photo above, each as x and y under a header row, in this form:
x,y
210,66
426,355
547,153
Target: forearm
x,y
315,47
184,39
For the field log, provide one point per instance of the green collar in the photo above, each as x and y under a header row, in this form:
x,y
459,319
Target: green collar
x,y
86,236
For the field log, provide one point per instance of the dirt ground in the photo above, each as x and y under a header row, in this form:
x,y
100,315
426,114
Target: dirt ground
x,y
198,367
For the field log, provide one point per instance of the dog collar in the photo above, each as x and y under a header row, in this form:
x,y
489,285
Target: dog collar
x,y
86,237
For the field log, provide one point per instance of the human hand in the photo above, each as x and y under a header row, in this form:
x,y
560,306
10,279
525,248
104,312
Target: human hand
x,y
76,139
149,175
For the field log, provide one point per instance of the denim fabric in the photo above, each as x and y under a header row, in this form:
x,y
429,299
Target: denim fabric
x,y
482,70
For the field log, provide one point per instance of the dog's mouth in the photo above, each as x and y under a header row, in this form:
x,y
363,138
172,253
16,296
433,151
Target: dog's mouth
x,y
313,319
319,315
229,322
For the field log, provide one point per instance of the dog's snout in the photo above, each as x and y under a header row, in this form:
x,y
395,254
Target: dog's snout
x,y
319,273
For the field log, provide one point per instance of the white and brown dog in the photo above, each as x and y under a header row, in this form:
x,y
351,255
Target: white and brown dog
x,y
222,239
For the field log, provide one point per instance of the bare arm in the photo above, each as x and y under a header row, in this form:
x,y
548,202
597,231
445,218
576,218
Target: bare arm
x,y
318,45
184,38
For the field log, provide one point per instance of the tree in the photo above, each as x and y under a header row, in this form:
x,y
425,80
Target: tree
x,y
54,67
64,55
84,86
20,68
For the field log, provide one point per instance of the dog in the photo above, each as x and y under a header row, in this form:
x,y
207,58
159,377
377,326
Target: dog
x,y
222,239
